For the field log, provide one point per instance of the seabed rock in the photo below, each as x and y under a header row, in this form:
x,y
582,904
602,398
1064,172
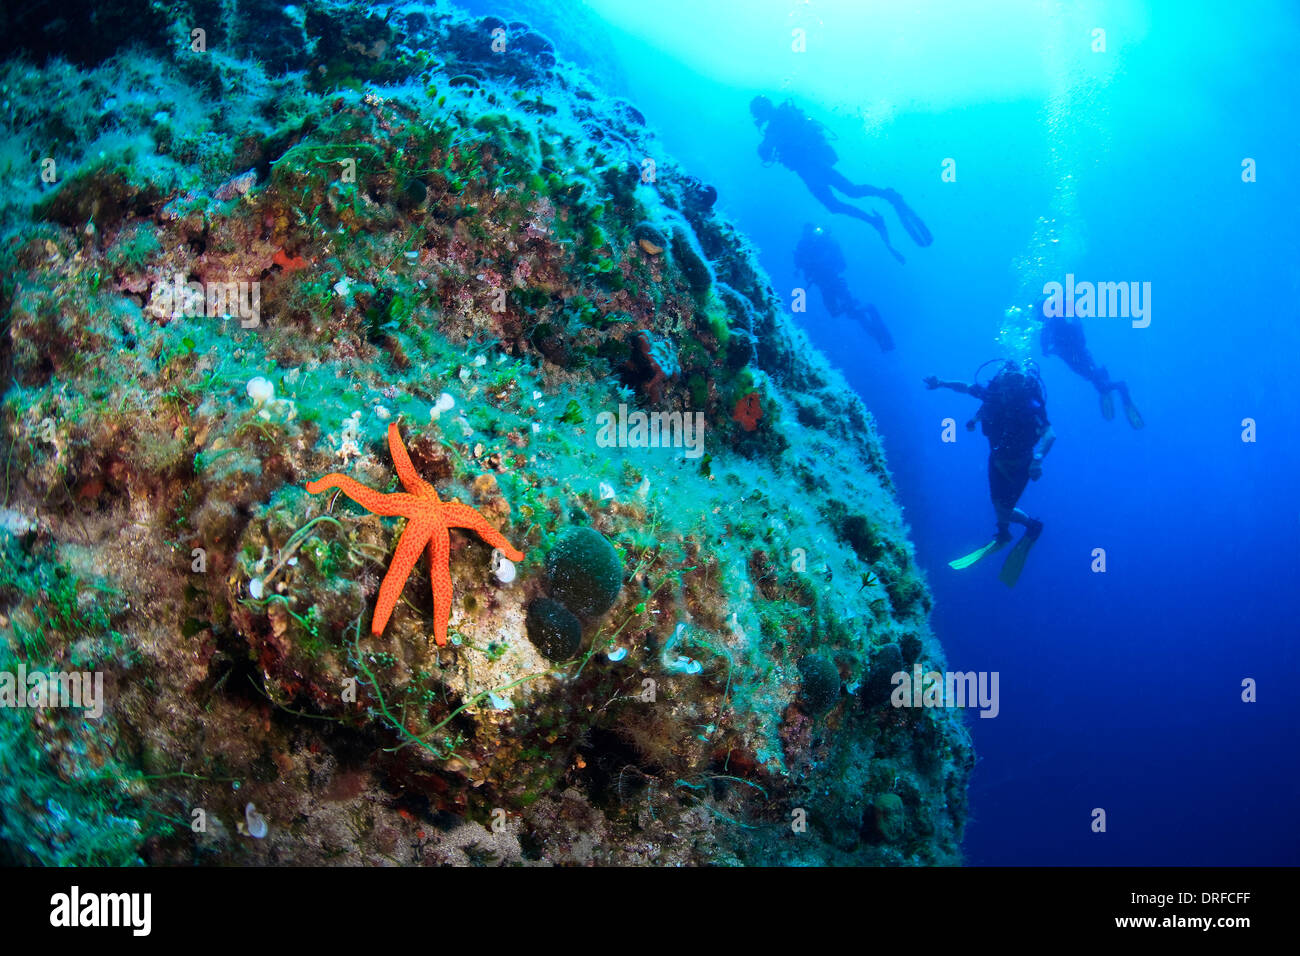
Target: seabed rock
x,y
453,239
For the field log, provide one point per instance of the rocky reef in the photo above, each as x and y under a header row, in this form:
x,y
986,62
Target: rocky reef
x,y
225,272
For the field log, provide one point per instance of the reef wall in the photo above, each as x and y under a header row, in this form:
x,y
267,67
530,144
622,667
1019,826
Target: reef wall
x,y
439,224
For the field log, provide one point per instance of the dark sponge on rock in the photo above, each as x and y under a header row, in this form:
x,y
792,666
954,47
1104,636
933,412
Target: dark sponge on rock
x,y
879,685
584,571
554,631
821,684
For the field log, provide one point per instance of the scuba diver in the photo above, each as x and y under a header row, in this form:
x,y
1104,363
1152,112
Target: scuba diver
x,y
1063,337
1013,415
819,257
799,143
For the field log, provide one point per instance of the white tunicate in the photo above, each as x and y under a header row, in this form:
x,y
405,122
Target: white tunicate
x,y
255,589
617,654
644,488
255,822
502,567
351,426
445,403
383,413
681,664
480,360
260,390
686,665
15,523
606,491
463,374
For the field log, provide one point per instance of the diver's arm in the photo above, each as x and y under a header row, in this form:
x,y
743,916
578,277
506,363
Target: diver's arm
x,y
1045,442
933,382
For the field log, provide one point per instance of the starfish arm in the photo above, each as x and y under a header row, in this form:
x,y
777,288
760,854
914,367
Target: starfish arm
x,y
414,536
458,515
440,575
411,481
376,502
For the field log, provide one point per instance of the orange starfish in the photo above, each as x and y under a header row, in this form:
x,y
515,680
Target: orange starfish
x,y
428,519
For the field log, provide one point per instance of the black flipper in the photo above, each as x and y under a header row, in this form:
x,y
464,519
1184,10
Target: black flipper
x,y
910,220
1015,562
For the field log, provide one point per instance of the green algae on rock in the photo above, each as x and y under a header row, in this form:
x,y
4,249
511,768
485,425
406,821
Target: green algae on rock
x,y
454,240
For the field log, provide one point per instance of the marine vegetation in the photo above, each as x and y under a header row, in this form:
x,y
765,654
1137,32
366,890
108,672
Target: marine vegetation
x,y
467,246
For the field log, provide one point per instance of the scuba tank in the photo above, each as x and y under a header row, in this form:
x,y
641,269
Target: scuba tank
x,y
1015,376
806,142
1013,399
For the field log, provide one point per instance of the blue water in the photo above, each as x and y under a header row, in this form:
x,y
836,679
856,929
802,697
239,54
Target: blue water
x,y
1119,690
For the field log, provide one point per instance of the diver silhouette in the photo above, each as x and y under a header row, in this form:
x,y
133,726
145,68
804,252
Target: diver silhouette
x,y
799,143
819,257
1063,337
1013,416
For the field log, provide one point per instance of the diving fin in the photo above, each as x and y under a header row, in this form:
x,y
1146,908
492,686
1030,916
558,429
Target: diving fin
x,y
875,327
1107,406
1015,562
910,220
978,554
1133,415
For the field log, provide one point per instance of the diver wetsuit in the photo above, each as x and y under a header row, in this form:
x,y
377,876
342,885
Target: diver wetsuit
x,y
1013,416
1013,425
1063,337
819,257
799,143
